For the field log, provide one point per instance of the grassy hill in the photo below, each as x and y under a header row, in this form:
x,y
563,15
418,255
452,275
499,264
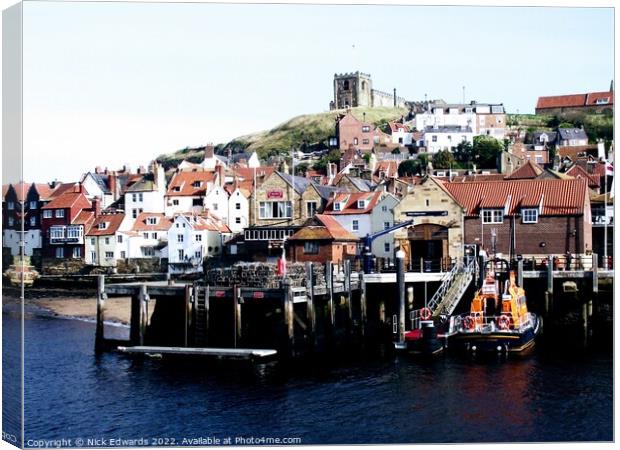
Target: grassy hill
x,y
309,128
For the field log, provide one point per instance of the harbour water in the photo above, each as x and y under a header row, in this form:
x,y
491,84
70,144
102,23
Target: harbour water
x,y
72,394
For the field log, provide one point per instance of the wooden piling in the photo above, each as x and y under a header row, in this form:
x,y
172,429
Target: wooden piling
x,y
310,312
362,286
347,286
329,280
520,272
206,322
143,298
595,273
101,297
237,315
134,326
288,314
400,282
188,295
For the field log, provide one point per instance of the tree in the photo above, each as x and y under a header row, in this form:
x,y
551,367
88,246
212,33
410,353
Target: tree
x,y
409,167
331,157
301,169
464,152
396,151
443,159
487,149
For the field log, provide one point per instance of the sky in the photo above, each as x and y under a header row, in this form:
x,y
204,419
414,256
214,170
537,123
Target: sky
x,y
109,84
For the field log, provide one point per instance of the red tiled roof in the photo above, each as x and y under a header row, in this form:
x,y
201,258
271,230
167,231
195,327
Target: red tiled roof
x,y
44,190
205,221
141,224
84,217
594,96
561,101
247,173
528,170
185,181
328,230
559,197
351,199
573,152
113,222
476,177
594,180
397,126
67,200
21,191
61,188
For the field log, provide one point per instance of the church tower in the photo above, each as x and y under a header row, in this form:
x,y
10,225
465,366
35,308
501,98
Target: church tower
x,y
351,90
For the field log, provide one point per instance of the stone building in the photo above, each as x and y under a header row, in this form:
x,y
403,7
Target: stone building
x,y
355,89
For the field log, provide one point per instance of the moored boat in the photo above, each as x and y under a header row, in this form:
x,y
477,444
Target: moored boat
x,y
498,321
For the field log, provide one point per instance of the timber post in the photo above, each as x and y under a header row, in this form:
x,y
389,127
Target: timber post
x,y
549,292
347,286
329,280
362,286
188,294
400,282
310,312
520,272
236,314
134,326
143,299
101,297
289,315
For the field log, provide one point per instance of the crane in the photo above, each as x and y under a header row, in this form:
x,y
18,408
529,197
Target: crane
x,y
367,240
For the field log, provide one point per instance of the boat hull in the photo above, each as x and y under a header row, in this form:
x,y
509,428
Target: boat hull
x,y
496,341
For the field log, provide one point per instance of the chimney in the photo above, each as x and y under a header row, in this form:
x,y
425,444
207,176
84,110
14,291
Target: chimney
x,y
220,174
113,184
209,151
98,169
77,188
96,206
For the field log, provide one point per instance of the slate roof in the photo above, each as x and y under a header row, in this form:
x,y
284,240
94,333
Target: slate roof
x,y
559,197
534,138
572,133
300,183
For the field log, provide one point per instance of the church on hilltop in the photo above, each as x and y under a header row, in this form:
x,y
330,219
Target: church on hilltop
x,y
355,89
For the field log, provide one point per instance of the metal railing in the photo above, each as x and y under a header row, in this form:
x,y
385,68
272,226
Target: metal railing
x,y
562,262
448,281
490,324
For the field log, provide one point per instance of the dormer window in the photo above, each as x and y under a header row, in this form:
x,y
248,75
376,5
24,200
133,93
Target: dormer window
x,y
529,215
336,206
177,189
197,184
151,220
602,101
361,204
492,215
102,225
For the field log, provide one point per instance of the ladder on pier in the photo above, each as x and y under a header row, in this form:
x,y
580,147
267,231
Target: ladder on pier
x,y
201,320
453,287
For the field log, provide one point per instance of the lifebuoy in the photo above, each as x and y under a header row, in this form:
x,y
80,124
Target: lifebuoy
x,y
469,322
425,314
503,322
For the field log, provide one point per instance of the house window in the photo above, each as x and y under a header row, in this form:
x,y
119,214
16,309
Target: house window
x,y
10,205
355,225
199,238
92,241
148,251
93,257
107,241
311,208
102,225
237,205
345,85
386,225
361,204
179,238
434,139
365,129
76,252
238,220
177,189
152,220
311,248
386,247
33,205
492,216
175,202
60,252
197,202
427,202
337,206
74,232
181,254
602,101
60,213
123,255
215,206
134,197
33,221
275,210
530,215
109,255
355,141
119,238
145,235
384,208
47,214
135,212
365,141
198,254
153,235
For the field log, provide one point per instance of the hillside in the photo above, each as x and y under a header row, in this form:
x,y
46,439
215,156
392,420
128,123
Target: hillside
x,y
310,128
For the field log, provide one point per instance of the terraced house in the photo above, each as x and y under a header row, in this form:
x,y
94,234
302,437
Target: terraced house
x,y
105,243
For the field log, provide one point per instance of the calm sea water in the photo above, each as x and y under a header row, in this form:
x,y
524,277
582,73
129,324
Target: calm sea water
x,y
70,393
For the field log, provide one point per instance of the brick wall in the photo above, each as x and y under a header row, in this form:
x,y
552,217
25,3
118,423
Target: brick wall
x,y
559,234
328,251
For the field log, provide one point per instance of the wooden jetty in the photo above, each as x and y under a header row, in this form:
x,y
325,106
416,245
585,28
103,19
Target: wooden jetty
x,y
346,309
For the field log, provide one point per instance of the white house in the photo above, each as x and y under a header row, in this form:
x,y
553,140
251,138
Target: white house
x,y
104,241
96,185
400,134
216,201
482,118
239,210
365,213
148,238
147,194
446,137
192,238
